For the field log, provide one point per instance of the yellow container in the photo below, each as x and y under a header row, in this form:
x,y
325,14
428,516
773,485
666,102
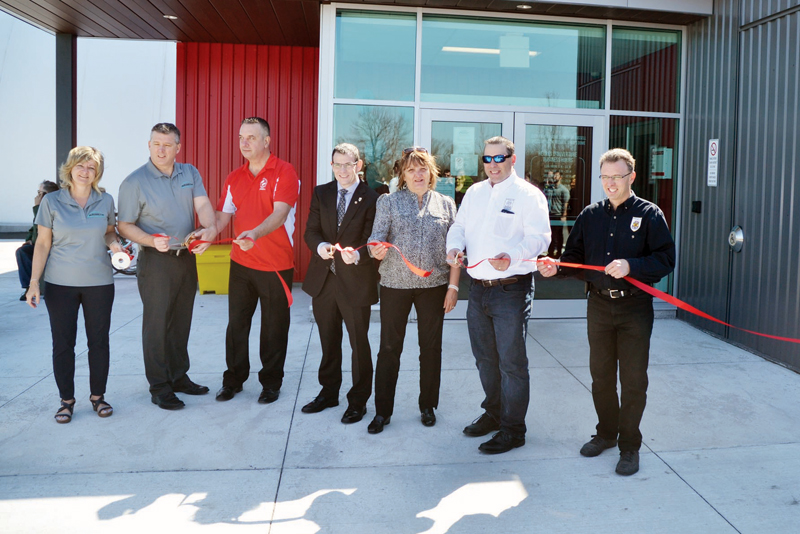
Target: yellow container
x,y
213,269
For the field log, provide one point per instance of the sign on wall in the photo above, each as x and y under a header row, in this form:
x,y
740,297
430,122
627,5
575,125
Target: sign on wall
x,y
713,162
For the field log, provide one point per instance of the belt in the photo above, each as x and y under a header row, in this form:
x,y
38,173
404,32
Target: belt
x,y
617,293
501,281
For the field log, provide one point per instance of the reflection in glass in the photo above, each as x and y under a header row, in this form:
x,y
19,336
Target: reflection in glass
x,y
644,70
505,62
375,55
380,133
654,145
458,147
558,161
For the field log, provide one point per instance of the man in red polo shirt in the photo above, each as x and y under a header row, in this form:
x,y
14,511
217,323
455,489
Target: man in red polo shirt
x,y
260,197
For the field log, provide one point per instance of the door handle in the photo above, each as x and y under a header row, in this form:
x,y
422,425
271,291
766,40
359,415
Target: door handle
x,y
736,238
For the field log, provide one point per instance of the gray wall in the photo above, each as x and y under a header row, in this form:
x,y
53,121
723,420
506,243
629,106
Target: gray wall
x,y
742,87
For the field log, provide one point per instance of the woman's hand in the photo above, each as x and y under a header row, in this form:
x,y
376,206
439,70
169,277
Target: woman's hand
x,y
450,300
33,295
378,251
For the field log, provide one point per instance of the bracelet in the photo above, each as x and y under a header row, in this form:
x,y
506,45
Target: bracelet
x,y
34,280
452,286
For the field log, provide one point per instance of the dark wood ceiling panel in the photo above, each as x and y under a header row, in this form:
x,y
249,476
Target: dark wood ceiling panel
x,y
235,17
272,22
121,20
186,21
204,12
265,19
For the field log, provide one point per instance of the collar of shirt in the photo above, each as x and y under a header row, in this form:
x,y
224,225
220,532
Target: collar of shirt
x,y
65,197
609,208
156,173
505,184
350,190
270,165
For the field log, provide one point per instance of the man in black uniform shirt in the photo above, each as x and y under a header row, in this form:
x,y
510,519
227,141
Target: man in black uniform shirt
x,y
629,237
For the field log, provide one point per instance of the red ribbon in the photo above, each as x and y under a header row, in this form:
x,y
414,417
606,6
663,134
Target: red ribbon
x,y
672,300
414,269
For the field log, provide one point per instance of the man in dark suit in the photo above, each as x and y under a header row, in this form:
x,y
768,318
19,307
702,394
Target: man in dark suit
x,y
342,285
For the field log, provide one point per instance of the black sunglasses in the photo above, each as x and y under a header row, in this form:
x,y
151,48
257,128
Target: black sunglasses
x,y
411,149
500,158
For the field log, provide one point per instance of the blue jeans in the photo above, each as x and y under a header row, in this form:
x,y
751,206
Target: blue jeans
x,y
24,263
498,323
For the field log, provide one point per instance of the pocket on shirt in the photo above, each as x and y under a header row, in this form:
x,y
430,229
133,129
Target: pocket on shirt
x,y
503,225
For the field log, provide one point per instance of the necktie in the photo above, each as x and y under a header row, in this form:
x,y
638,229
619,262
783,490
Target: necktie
x,y
341,207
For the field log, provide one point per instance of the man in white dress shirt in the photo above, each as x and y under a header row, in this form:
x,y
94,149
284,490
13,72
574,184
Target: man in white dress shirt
x,y
505,221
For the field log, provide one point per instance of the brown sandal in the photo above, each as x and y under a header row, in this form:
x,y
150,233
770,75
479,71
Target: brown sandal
x,y
102,408
64,414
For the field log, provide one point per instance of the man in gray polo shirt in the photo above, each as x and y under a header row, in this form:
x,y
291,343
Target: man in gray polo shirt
x,y
157,203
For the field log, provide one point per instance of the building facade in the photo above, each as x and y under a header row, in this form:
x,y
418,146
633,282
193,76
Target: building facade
x,y
703,93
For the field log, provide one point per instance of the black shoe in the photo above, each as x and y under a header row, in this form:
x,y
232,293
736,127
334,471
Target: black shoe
x,y
24,298
268,395
596,446
377,424
167,401
189,387
353,415
500,443
628,463
427,416
319,404
226,393
481,426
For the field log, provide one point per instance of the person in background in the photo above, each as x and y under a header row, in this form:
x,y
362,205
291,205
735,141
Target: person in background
x,y
415,219
75,231
24,253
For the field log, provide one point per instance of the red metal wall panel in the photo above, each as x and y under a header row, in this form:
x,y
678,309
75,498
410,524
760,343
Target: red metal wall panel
x,y
218,85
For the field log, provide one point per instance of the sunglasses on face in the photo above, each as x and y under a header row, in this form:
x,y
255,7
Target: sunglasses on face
x,y
500,158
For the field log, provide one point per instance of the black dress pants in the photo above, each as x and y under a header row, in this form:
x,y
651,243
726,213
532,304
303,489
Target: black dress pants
x,y
63,303
167,286
246,288
395,307
619,333
331,307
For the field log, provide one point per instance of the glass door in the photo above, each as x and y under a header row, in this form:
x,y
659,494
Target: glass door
x,y
456,139
556,153
559,154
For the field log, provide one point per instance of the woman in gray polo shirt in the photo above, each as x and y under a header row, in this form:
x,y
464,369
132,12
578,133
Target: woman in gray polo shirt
x,y
76,229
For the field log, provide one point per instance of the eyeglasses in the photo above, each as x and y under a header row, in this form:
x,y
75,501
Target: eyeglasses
x,y
500,158
605,178
409,150
345,166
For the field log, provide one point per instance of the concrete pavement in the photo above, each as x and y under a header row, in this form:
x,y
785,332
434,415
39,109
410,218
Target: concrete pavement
x,y
721,434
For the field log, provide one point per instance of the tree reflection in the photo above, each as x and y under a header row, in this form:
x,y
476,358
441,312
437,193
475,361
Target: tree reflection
x,y
380,133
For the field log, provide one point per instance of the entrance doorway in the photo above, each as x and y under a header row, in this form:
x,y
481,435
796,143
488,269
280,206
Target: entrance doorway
x,y
557,153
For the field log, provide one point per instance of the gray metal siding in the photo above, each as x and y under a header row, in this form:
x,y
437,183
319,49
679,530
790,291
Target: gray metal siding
x,y
765,290
710,114
753,10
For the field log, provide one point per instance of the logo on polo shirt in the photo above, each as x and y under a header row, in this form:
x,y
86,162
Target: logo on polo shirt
x,y
263,185
187,184
636,223
96,215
